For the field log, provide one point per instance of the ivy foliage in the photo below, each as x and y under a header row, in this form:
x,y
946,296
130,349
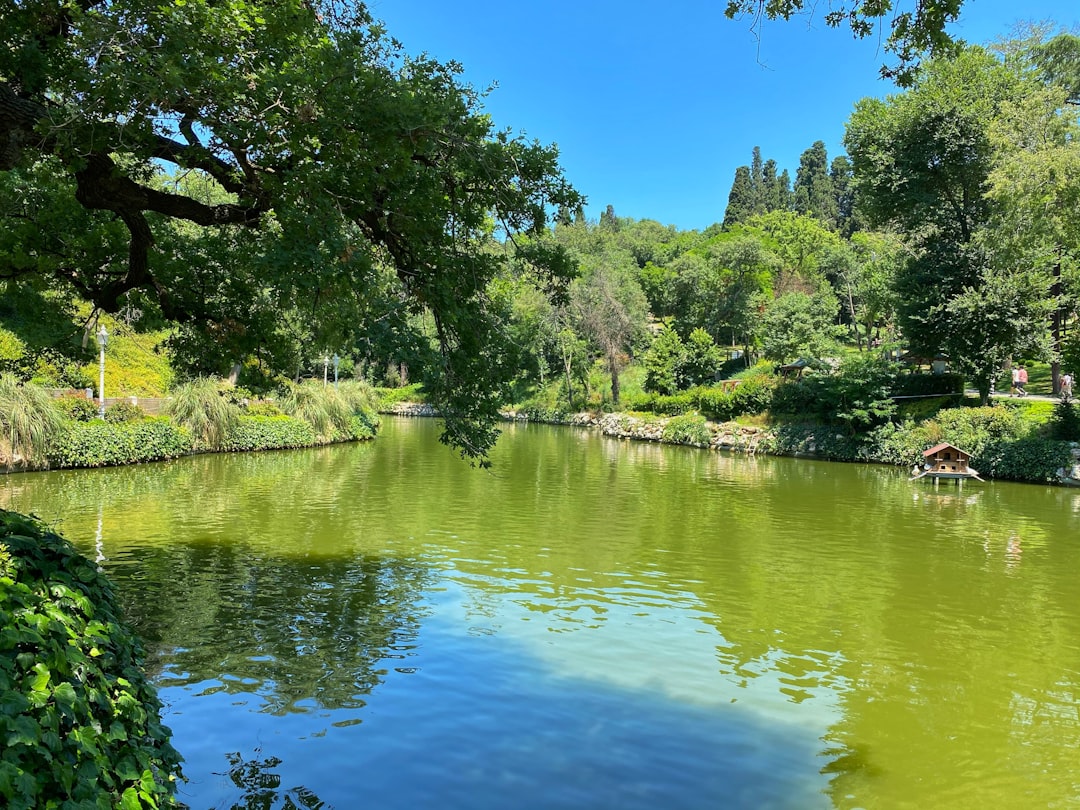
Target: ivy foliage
x,y
107,444
79,722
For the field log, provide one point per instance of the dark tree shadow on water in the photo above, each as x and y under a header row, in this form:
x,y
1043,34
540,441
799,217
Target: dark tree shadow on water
x,y
262,789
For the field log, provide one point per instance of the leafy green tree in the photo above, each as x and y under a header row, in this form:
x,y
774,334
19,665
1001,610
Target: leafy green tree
x,y
922,163
334,152
1058,62
798,242
1036,185
916,27
663,361
798,324
718,285
702,361
996,320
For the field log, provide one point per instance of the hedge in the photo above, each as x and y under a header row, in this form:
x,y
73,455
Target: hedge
x,y
101,444
79,722
269,433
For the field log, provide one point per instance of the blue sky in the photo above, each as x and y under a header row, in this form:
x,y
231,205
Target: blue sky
x,y
653,105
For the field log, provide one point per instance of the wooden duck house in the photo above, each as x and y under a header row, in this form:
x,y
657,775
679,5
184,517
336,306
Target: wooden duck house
x,y
946,461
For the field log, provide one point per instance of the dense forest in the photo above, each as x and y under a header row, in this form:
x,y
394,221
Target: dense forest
x,y
319,192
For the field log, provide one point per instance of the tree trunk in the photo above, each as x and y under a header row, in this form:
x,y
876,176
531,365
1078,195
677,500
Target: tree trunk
x,y
613,369
568,363
1055,365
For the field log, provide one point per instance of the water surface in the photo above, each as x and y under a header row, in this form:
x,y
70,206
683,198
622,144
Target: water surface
x,y
591,624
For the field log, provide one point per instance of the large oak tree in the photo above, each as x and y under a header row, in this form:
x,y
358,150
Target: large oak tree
x,y
328,152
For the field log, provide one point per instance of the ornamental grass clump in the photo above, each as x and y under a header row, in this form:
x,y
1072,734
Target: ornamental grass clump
x,y
28,423
199,407
321,406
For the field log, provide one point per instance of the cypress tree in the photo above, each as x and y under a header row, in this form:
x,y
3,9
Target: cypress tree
x,y
786,200
757,182
741,198
814,193
770,185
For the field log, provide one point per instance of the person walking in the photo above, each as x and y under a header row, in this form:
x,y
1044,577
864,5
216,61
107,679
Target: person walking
x,y
1066,386
1015,381
1022,379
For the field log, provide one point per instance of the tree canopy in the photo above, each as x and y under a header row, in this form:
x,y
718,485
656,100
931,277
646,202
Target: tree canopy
x,y
916,27
221,162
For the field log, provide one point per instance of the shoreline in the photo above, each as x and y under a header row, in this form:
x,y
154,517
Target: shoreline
x,y
725,436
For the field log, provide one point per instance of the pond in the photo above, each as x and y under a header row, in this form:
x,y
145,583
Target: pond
x,y
591,624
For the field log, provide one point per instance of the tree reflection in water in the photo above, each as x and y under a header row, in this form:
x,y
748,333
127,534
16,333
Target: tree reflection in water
x,y
300,633
262,787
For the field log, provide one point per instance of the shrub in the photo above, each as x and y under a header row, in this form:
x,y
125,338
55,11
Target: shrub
x,y
77,409
688,429
1066,421
123,412
100,444
972,429
28,423
754,394
1026,459
264,407
199,407
663,361
269,433
80,722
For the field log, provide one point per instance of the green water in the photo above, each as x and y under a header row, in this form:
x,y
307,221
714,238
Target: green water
x,y
592,624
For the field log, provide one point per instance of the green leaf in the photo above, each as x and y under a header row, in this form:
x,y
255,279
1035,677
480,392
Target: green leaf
x,y
65,695
130,800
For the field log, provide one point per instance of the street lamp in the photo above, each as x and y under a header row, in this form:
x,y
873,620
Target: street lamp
x,y
102,338
336,360
325,363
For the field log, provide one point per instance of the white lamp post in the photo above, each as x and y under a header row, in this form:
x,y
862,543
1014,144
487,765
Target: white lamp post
x,y
325,364
336,360
103,338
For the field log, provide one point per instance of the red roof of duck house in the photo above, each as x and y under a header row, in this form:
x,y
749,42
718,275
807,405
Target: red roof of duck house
x,y
938,448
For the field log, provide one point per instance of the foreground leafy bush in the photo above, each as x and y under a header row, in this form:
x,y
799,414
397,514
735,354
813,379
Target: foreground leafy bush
x,y
79,722
100,444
